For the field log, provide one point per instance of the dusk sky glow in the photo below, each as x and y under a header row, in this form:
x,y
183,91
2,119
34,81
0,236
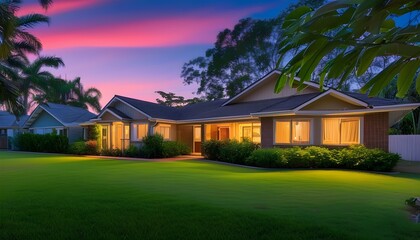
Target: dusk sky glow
x,y
134,48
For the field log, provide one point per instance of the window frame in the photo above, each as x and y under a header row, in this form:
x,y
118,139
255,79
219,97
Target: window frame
x,y
168,126
291,120
341,118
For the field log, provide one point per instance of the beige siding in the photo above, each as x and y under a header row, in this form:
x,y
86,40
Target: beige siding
x,y
109,117
129,111
330,103
266,91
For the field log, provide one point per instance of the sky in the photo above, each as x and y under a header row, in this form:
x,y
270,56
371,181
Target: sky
x,y
136,47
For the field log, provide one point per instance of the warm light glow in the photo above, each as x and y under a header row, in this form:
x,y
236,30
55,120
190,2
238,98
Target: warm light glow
x,y
164,130
292,131
341,131
141,131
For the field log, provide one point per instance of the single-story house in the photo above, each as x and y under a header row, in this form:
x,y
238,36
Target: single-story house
x,y
9,127
289,118
63,119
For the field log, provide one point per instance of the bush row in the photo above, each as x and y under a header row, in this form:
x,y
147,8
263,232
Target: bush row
x,y
353,157
153,147
51,143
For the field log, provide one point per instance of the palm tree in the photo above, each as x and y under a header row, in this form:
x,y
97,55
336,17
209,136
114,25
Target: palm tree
x,y
15,43
70,92
35,79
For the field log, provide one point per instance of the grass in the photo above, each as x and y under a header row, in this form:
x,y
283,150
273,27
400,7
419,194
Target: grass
x,y
66,197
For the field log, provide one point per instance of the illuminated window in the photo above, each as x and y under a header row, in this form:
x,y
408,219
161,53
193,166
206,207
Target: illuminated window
x,y
292,132
341,131
141,131
164,130
250,132
197,134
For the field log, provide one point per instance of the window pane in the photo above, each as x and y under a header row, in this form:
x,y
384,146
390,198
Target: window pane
x,y
247,133
282,132
197,134
256,134
331,130
300,131
350,131
141,131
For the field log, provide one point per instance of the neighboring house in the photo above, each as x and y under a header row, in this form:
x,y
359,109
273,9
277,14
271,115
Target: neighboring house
x,y
62,119
9,127
289,118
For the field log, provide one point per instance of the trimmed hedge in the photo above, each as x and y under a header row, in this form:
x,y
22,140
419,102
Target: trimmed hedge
x,y
51,143
228,151
353,157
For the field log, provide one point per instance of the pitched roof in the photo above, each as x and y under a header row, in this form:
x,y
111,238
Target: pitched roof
x,y
216,109
153,110
376,101
8,120
65,114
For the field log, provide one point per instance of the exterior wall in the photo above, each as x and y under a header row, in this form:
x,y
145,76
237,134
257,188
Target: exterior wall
x,y
405,145
376,131
74,134
266,91
45,120
330,103
267,132
109,117
129,111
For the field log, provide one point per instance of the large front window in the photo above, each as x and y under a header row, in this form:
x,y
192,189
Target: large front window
x,y
341,131
292,132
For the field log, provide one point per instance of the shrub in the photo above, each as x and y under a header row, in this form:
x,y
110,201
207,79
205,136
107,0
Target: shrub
x,y
132,151
152,146
211,149
42,143
84,148
236,152
112,152
92,147
268,158
78,148
297,158
320,157
173,148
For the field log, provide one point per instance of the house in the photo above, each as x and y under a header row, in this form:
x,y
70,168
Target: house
x,y
9,127
62,119
289,118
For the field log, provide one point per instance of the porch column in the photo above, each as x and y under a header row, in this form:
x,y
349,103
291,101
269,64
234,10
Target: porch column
x,y
267,132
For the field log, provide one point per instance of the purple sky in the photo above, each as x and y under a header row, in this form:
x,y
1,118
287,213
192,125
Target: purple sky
x,y
135,47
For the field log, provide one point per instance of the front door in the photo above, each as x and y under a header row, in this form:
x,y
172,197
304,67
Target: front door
x,y
223,133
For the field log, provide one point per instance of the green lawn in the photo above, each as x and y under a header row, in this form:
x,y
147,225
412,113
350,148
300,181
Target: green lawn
x,y
66,197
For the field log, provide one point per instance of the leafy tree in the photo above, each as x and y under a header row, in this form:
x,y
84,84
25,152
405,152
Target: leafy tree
x,y
172,100
239,57
361,32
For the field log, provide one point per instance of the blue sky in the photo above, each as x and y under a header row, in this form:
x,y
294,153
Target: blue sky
x,y
136,47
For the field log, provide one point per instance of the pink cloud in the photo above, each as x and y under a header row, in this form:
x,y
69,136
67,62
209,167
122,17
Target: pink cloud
x,y
58,7
190,28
